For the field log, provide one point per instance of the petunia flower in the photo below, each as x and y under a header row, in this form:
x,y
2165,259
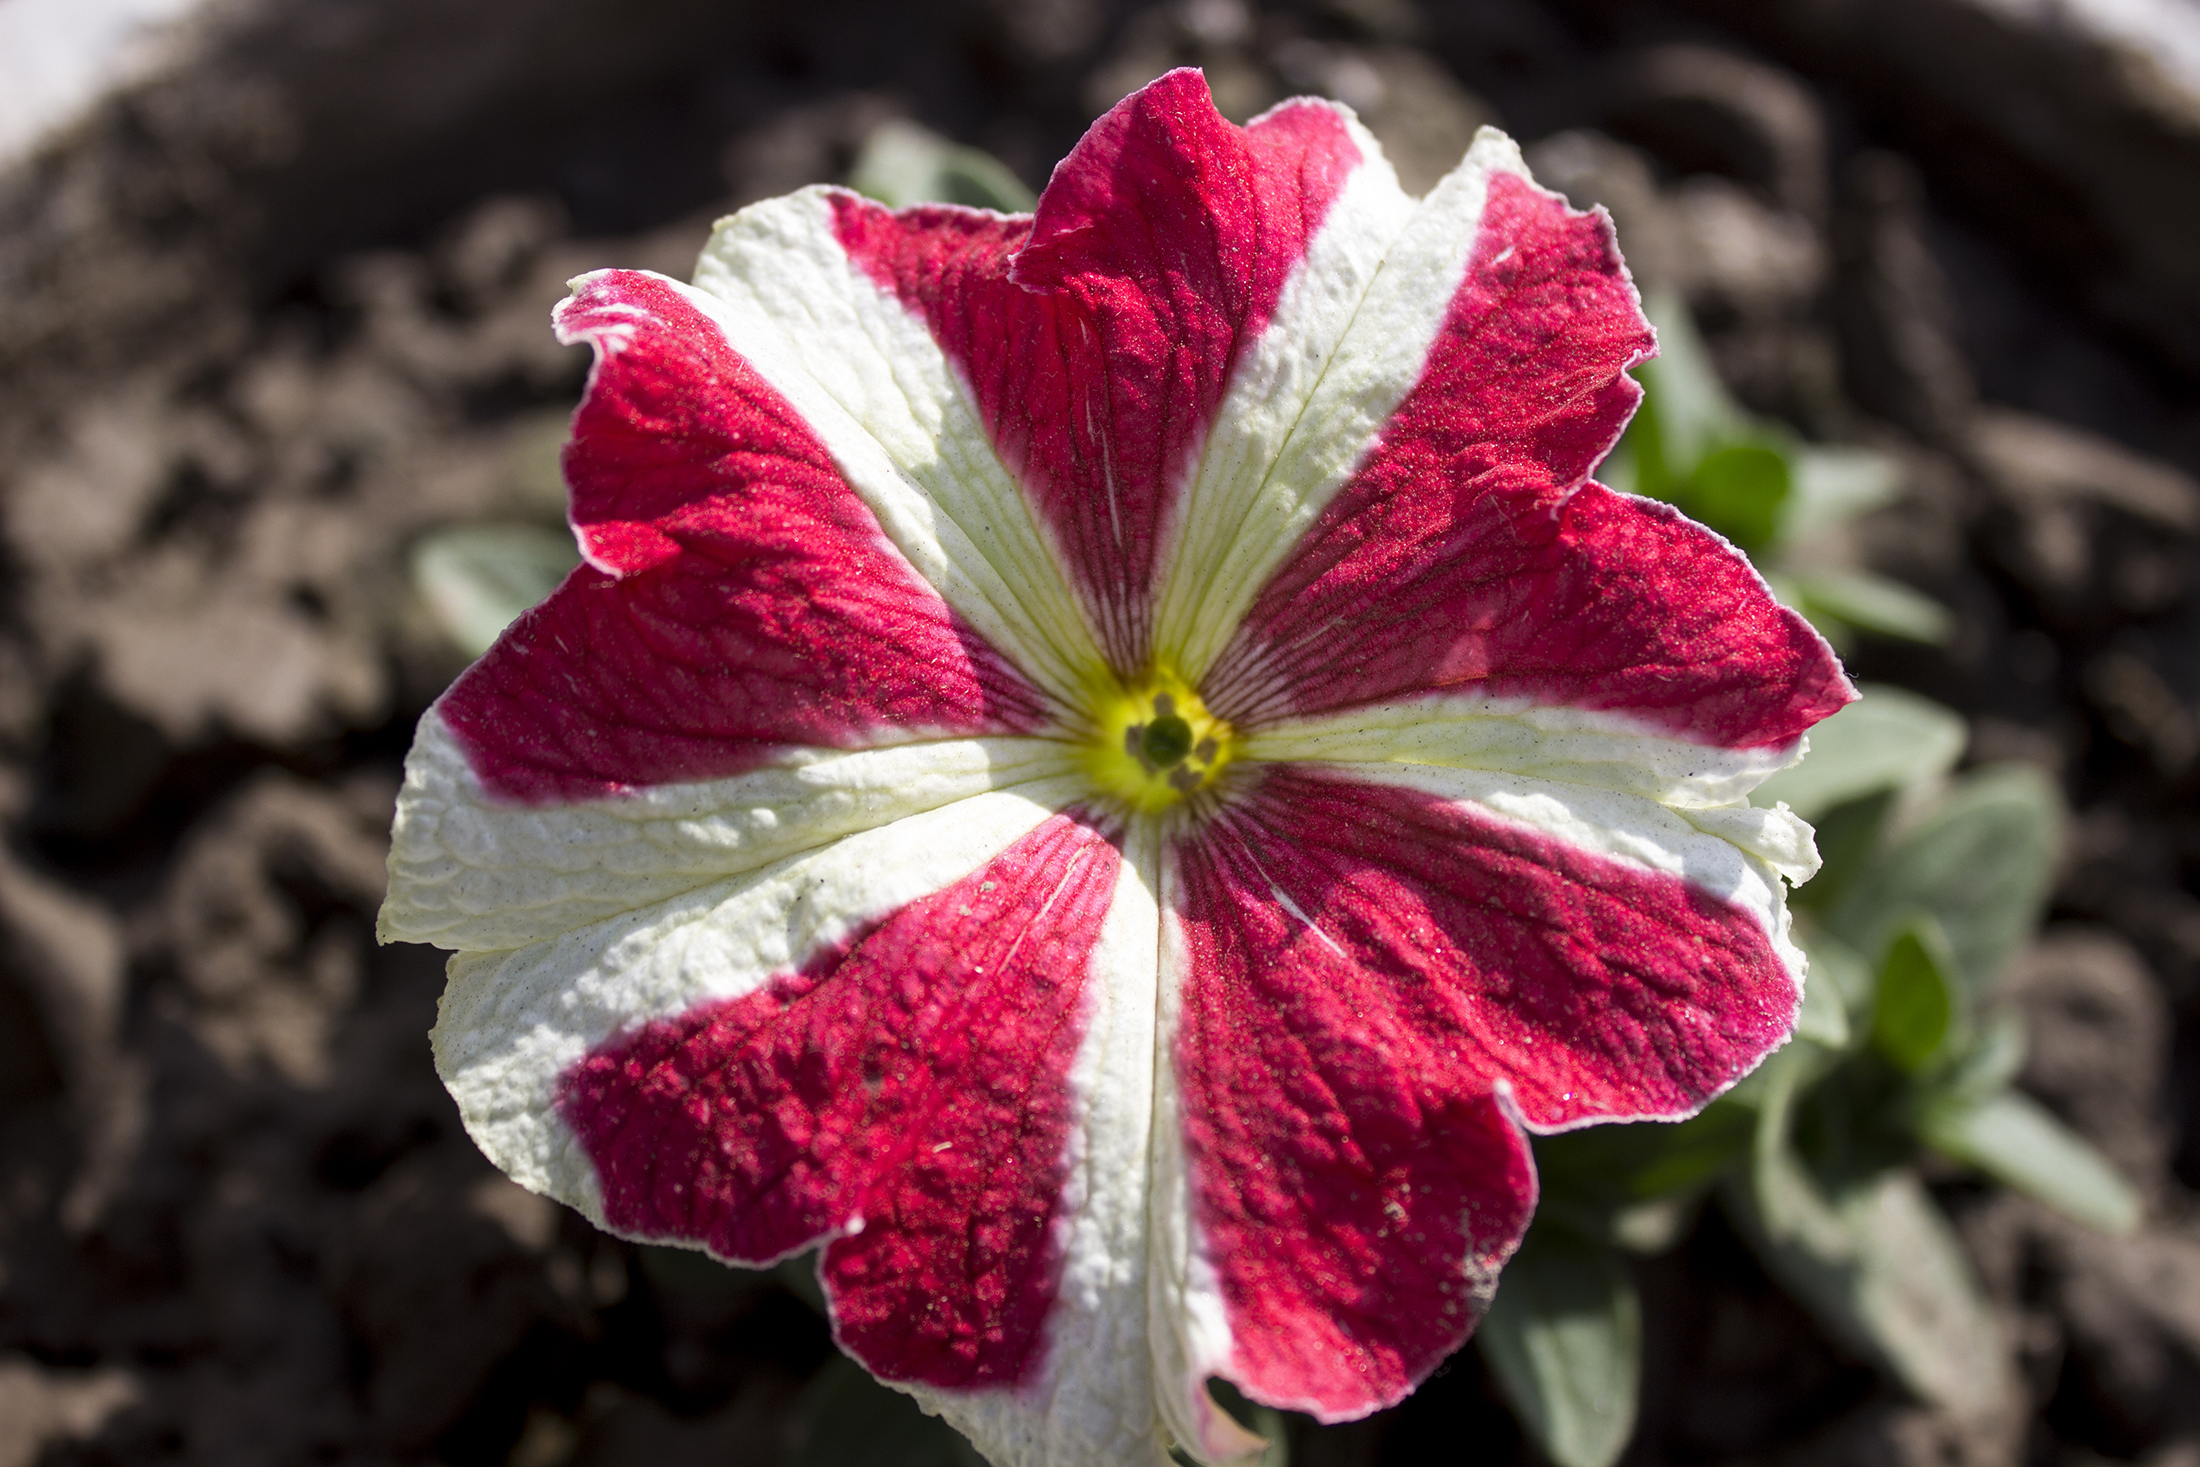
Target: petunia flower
x,y
1108,768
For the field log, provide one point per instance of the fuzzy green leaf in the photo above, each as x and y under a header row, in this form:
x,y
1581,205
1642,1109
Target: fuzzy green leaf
x,y
1916,1009
1564,1340
903,164
1739,490
1980,862
1886,739
2011,1138
1840,979
1824,1017
1833,485
476,579
1886,1276
1870,603
1599,1168
844,1418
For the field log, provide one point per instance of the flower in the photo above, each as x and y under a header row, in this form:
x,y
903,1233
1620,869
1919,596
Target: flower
x,y
1108,767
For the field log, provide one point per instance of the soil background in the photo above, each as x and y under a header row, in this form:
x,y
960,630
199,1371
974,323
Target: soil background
x,y
268,319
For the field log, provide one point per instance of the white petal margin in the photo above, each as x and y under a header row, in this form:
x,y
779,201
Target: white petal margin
x,y
1614,751
1350,337
1092,1403
513,1023
476,873
900,422
1192,1340
1737,853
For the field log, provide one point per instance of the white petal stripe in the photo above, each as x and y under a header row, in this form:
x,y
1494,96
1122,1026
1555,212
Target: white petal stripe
x,y
1092,1403
1350,337
1191,1328
513,1023
1608,750
901,423
475,873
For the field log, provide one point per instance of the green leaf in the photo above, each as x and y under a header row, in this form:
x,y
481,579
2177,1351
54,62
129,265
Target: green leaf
x,y
903,164
1916,1008
1785,1197
1980,862
476,579
1833,485
2011,1138
1989,1063
799,1276
1870,603
1563,1339
1599,1168
1265,1422
1825,1014
1838,978
1851,840
844,1418
1693,410
1886,739
1738,490
1887,1278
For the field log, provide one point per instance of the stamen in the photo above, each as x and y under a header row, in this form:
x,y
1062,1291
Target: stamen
x,y
1157,742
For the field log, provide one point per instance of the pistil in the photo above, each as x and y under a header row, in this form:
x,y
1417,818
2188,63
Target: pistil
x,y
1157,744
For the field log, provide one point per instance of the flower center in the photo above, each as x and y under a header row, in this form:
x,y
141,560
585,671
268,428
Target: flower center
x,y
1156,743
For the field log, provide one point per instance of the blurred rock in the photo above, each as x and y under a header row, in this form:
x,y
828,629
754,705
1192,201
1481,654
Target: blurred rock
x,y
1417,110
1885,1434
1708,110
1217,36
1896,317
2082,521
2098,1033
43,1409
66,954
267,914
2132,1307
619,1427
2069,129
438,1279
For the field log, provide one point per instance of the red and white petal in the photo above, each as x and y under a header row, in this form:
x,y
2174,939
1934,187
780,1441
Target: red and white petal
x,y
1381,976
740,598
1615,751
1088,1401
1467,554
897,415
514,1024
1099,338
478,873
1587,600
1350,337
1191,1329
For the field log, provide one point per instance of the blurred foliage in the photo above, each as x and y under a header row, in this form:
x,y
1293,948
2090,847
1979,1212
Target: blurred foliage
x,y
476,579
1778,500
903,164
1932,883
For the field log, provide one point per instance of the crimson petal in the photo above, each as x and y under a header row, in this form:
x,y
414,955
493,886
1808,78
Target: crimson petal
x,y
1377,982
1468,554
740,599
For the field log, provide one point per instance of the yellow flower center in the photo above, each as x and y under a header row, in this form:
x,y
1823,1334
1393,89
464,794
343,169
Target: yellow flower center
x,y
1155,744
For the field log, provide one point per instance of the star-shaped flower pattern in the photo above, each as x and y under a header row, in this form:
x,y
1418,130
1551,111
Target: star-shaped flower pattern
x,y
1108,767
